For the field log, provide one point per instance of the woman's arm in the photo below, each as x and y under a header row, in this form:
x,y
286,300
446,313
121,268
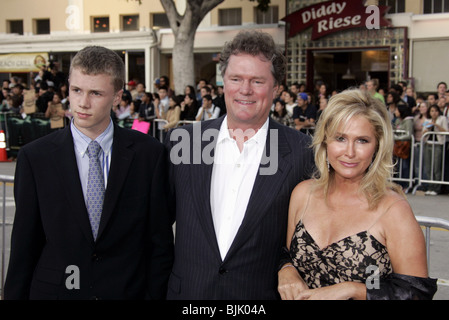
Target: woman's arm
x,y
290,283
404,240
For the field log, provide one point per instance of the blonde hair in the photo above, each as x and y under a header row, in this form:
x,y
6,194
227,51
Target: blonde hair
x,y
94,60
341,108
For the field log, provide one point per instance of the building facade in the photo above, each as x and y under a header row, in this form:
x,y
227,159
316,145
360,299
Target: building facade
x,y
413,46
137,30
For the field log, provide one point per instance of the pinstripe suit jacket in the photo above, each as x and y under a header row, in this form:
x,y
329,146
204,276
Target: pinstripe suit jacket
x,y
249,270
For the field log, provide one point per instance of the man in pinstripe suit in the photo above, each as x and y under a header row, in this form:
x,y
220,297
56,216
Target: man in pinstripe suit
x,y
231,180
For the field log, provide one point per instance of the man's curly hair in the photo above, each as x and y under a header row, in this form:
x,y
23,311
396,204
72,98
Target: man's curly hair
x,y
255,43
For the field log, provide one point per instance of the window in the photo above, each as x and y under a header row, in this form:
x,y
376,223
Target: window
x,y
268,17
396,6
41,26
100,24
130,23
436,6
160,20
230,17
15,26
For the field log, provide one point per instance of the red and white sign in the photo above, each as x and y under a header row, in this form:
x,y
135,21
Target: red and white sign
x,y
333,16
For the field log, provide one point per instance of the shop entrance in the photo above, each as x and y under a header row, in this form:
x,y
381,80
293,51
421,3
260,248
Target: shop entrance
x,y
341,69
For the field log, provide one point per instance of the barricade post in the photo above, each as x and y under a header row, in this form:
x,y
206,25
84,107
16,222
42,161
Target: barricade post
x,y
430,179
3,180
400,163
161,131
428,223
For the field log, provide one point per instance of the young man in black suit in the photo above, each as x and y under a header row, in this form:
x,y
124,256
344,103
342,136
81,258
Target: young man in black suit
x,y
64,246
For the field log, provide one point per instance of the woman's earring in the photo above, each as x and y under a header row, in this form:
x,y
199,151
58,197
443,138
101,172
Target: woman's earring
x,y
328,165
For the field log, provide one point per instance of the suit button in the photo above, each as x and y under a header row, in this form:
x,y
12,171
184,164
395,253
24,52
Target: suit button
x,y
94,298
95,257
222,271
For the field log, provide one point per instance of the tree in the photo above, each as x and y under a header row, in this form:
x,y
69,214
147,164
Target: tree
x,y
184,29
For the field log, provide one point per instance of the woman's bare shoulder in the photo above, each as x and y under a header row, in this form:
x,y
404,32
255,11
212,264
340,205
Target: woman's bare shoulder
x,y
396,212
303,189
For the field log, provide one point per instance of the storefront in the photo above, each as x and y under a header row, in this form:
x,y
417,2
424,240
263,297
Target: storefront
x,y
21,64
138,50
343,43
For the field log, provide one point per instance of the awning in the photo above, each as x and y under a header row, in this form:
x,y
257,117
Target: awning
x,y
22,62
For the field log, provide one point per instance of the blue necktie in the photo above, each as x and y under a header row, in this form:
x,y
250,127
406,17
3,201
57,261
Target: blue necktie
x,y
95,187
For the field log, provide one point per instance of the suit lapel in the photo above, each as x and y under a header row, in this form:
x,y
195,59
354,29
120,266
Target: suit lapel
x,y
266,186
121,159
64,161
201,177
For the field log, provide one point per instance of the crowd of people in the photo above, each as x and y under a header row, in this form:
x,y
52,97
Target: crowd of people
x,y
320,225
410,115
203,102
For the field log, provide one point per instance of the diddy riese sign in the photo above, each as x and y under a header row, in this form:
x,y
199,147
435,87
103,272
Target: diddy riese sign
x,y
333,16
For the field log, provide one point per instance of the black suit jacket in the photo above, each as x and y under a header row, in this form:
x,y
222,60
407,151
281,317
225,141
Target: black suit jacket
x,y
132,256
249,270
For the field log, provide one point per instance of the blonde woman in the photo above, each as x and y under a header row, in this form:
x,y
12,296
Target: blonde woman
x,y
350,225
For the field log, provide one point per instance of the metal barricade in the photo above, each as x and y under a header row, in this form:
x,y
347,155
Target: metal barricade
x,y
431,179
310,131
428,223
4,180
183,122
400,163
161,130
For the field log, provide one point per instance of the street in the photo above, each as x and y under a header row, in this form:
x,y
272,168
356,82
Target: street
x,y
428,206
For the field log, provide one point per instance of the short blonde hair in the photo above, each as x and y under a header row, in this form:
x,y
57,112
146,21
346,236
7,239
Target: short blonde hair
x,y
94,60
341,108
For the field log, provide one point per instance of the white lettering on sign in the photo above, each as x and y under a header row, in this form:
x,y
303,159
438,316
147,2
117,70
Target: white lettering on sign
x,y
326,25
332,9
332,16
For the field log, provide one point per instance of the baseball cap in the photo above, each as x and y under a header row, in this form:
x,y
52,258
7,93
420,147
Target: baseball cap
x,y
303,96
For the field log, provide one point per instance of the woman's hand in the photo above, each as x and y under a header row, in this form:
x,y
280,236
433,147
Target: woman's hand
x,y
290,283
340,291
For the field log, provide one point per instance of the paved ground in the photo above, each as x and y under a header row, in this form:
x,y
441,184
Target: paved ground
x,y
429,206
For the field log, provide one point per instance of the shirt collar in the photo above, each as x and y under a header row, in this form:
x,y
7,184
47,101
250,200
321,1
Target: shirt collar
x,y
82,141
260,137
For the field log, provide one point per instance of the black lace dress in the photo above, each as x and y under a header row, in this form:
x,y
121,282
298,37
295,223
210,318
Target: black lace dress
x,y
354,258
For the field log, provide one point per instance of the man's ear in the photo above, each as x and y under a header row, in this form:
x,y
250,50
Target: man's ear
x,y
118,97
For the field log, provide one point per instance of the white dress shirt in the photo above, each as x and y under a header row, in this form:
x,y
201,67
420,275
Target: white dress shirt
x,y
233,177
